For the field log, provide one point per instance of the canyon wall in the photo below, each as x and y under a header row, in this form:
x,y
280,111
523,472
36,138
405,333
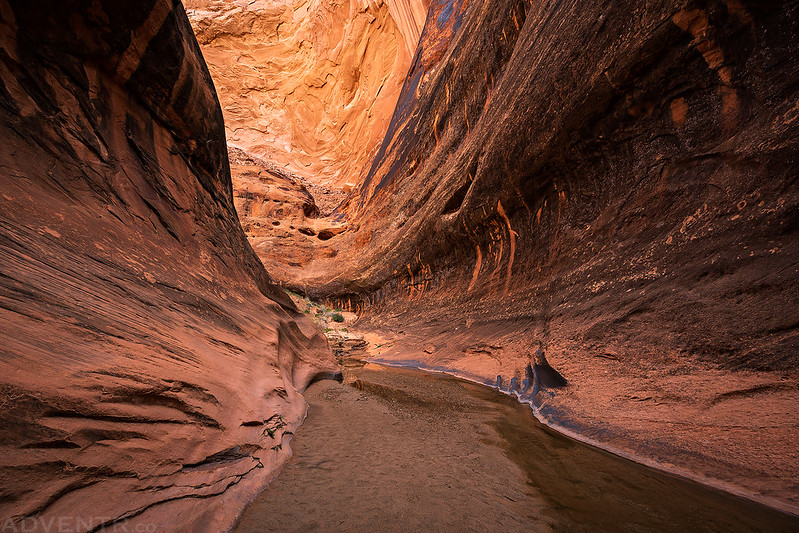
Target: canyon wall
x,y
628,171
150,369
617,180
309,85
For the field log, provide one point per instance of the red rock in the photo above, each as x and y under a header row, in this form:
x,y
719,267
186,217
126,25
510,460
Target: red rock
x,y
281,218
307,85
586,169
150,368
607,178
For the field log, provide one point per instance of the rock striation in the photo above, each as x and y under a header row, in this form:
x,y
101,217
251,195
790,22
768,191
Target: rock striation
x,y
309,85
632,177
151,370
618,181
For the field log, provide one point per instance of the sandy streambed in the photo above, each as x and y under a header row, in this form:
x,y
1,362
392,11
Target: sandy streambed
x,y
404,450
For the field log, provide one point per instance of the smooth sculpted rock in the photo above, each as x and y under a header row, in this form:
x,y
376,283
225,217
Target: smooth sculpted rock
x,y
627,172
624,174
149,369
618,179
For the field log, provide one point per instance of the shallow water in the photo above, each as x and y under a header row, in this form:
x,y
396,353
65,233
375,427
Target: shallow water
x,y
404,450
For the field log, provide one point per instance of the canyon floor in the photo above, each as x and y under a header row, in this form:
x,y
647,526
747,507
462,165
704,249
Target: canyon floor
x,y
395,449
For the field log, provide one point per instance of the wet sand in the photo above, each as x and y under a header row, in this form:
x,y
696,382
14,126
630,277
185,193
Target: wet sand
x,y
404,450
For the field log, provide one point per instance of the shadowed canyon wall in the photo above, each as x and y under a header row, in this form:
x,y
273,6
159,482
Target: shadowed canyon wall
x,y
150,369
309,85
625,173
617,180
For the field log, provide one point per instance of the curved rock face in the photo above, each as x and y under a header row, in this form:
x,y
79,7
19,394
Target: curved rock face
x,y
606,165
309,85
150,369
617,180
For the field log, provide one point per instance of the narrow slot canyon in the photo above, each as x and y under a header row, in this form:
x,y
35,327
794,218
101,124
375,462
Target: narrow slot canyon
x,y
399,265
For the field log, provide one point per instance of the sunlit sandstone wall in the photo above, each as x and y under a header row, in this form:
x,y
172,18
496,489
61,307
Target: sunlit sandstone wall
x,y
309,85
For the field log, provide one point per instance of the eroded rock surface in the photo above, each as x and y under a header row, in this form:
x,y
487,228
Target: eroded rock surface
x,y
309,85
150,370
617,180
280,216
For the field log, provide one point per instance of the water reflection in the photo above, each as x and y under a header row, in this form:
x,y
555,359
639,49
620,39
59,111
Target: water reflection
x,y
593,490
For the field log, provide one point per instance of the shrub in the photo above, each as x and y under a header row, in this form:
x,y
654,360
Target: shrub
x,y
336,317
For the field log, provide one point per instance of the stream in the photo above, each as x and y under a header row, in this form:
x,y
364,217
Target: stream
x,y
396,449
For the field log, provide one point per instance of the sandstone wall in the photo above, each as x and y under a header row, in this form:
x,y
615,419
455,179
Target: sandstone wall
x,y
617,174
149,369
617,180
309,85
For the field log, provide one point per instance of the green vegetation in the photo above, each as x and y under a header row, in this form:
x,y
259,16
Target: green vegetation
x,y
277,422
327,318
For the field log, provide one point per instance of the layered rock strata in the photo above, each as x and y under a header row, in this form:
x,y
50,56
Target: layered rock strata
x,y
309,85
150,369
618,181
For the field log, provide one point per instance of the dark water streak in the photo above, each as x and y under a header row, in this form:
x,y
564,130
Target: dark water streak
x,y
600,491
